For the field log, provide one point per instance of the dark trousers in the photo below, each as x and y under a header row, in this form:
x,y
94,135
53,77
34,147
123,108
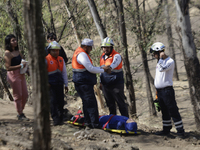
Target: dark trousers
x,y
169,109
90,109
115,93
57,102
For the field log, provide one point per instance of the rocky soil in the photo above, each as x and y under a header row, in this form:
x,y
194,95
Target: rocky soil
x,y
17,135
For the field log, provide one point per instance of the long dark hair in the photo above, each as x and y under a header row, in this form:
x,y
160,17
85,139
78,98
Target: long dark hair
x,y
7,43
51,36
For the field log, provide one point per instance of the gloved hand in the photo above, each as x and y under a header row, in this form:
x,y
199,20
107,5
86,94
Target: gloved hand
x,y
156,102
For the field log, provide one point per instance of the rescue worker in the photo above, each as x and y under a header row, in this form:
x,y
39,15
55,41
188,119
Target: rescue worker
x,y
165,92
113,84
84,78
57,76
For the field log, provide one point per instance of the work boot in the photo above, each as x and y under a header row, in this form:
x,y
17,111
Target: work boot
x,y
56,123
163,132
181,135
22,117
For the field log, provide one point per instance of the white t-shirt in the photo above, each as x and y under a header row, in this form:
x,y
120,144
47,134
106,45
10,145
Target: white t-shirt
x,y
164,73
83,59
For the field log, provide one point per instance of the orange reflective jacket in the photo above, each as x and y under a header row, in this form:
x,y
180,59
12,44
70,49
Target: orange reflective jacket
x,y
54,64
75,65
109,60
80,74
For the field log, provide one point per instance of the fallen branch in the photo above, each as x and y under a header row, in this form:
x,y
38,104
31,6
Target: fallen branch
x,y
5,86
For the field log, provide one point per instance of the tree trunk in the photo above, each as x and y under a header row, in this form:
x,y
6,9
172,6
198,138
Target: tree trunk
x,y
152,109
78,39
36,45
126,64
190,58
170,40
103,34
97,19
99,98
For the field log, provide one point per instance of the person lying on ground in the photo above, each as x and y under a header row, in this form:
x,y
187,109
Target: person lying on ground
x,y
110,122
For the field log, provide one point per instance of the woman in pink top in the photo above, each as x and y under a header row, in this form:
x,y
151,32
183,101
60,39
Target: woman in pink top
x,y
17,81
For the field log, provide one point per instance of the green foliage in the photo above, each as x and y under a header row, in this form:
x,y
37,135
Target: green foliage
x,y
71,88
8,26
5,25
95,56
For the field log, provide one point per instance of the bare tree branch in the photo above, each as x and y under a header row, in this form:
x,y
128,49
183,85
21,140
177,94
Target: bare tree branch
x,y
45,25
61,33
73,22
152,27
52,21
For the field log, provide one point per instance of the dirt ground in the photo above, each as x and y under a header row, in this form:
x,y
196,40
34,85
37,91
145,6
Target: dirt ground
x,y
16,135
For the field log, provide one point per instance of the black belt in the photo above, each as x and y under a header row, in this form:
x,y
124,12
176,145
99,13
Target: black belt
x,y
168,87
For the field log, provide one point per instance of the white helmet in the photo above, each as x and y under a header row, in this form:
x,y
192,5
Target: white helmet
x,y
53,45
158,46
107,42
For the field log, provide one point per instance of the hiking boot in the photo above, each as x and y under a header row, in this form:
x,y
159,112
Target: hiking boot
x,y
181,135
58,122
162,132
22,117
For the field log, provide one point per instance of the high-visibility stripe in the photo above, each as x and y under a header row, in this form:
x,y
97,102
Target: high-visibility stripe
x,y
52,72
180,126
166,121
79,70
176,123
167,124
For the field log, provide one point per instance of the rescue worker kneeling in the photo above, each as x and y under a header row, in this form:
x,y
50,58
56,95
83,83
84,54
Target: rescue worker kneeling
x,y
57,76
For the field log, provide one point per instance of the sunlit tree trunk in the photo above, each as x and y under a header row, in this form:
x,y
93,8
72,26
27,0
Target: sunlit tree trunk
x,y
170,39
190,58
97,19
103,34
